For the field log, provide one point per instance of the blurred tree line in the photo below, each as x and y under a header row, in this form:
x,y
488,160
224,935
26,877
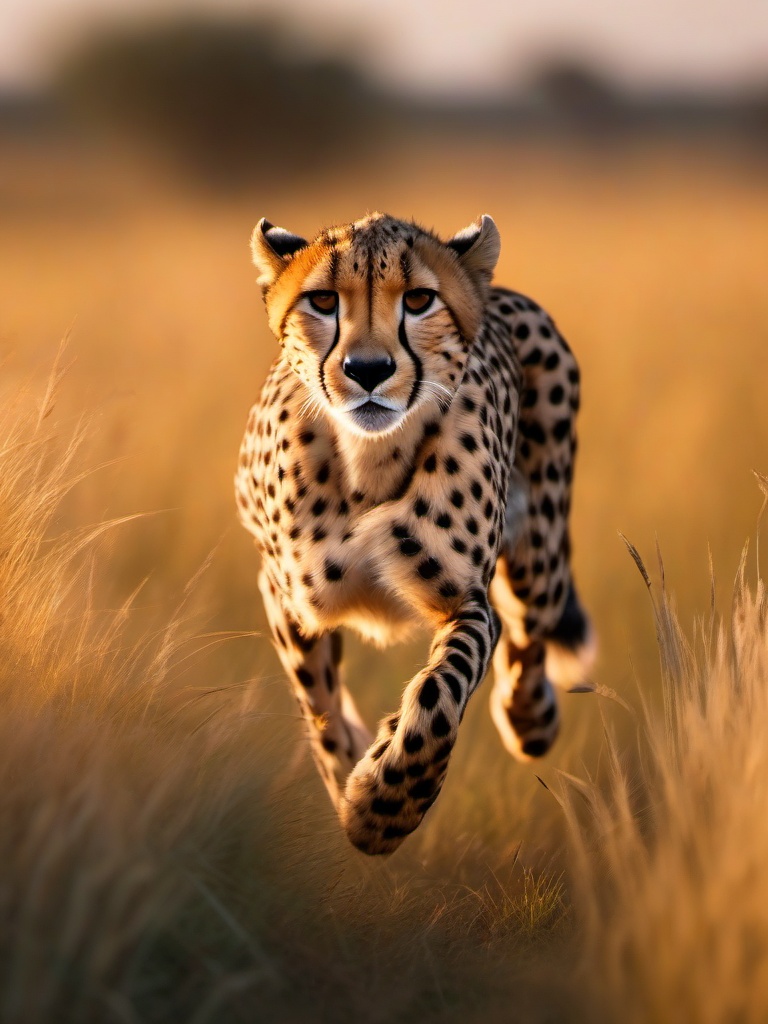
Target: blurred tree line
x,y
223,98
227,101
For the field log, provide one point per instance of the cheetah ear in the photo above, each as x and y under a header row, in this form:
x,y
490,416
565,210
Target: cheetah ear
x,y
272,248
478,246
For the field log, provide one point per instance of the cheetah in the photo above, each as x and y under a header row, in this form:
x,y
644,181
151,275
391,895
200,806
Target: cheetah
x,y
409,462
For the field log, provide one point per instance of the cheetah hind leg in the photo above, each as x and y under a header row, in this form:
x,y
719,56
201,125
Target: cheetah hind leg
x,y
571,645
523,701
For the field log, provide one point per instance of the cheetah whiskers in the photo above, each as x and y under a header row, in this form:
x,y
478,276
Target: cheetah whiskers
x,y
443,400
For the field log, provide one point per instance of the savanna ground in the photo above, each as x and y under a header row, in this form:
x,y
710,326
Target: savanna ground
x,y
167,851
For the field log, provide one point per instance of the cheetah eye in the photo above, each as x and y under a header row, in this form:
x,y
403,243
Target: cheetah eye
x,y
323,302
418,300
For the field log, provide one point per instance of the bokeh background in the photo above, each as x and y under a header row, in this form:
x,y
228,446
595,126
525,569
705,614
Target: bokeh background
x,y
622,151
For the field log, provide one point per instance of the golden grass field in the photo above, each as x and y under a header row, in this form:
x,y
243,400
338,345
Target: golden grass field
x,y
168,853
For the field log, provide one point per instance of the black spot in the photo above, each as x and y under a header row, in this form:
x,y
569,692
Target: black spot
x,y
472,526
422,788
552,361
399,531
430,463
415,770
505,308
561,429
440,725
306,437
488,510
323,473
319,507
477,555
477,490
448,589
357,497
429,568
318,534
547,508
522,331
409,547
557,593
469,405
461,664
421,507
451,465
305,643
444,521
557,394
333,571
553,473
533,357
453,685
393,776
306,678
413,742
530,397
535,748
443,751
386,808
377,752
544,331
429,693
431,429
328,744
457,499
458,545
283,416
343,507
469,442
532,431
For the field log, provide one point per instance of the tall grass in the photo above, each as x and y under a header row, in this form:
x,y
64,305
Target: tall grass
x,y
670,877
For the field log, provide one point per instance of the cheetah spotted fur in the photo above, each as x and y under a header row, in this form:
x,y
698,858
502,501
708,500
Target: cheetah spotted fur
x,y
410,460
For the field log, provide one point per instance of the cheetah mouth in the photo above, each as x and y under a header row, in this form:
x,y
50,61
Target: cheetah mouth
x,y
373,418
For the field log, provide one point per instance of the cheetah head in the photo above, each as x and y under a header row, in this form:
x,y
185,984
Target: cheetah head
x,y
376,317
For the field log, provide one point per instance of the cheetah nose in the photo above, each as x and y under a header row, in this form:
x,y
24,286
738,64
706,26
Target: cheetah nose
x,y
368,372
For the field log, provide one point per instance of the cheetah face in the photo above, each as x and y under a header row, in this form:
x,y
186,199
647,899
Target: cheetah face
x,y
377,317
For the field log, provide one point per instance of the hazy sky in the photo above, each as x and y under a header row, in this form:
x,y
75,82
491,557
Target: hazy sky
x,y
459,46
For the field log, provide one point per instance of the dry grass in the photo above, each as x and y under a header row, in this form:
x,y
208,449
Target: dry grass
x,y
669,873
167,852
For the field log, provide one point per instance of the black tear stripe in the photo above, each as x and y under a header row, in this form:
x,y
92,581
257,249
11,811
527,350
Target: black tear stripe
x,y
403,337
328,353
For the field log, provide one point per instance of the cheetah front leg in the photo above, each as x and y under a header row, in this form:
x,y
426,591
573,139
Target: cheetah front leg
x,y
338,736
400,777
